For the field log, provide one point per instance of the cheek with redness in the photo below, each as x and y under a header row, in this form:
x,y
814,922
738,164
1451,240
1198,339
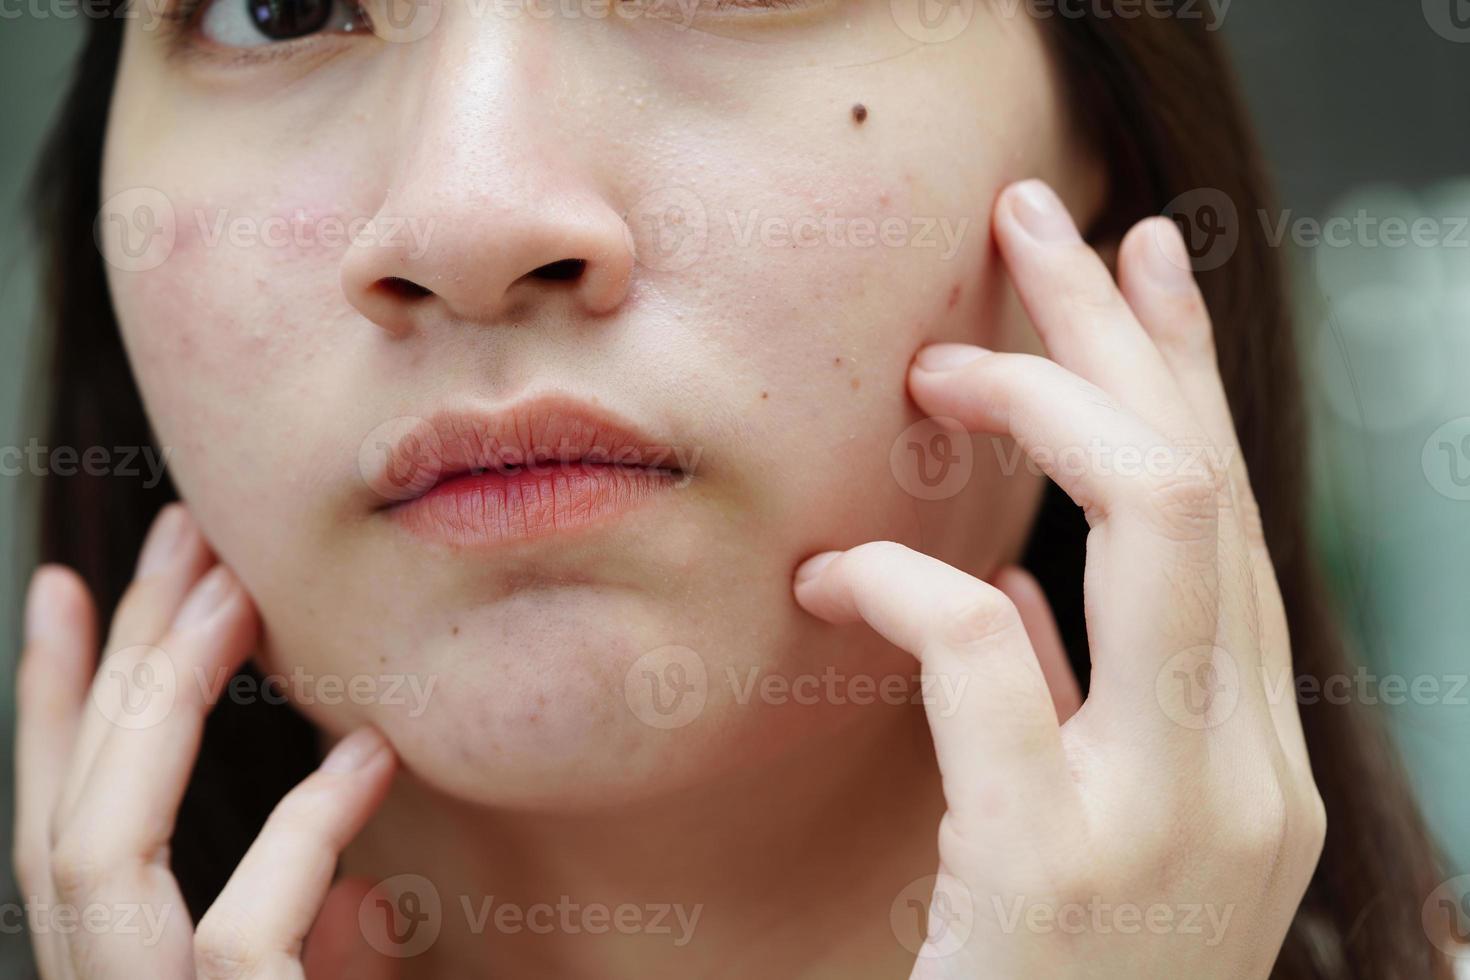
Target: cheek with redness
x,y
225,339
241,297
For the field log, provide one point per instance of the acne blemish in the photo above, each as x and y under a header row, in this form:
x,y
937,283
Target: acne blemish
x,y
836,362
954,296
454,631
856,383
765,395
859,113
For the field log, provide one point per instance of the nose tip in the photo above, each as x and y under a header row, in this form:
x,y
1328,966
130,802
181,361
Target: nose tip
x,y
487,267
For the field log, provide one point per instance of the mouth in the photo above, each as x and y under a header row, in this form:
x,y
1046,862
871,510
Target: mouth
x,y
535,469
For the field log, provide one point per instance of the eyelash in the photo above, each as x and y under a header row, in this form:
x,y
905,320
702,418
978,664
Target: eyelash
x,y
185,39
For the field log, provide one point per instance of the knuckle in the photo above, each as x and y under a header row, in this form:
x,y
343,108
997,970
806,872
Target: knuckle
x,y
1259,835
983,615
1184,504
222,950
1189,331
76,869
1091,296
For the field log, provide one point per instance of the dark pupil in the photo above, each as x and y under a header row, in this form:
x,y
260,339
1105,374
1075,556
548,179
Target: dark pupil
x,y
283,19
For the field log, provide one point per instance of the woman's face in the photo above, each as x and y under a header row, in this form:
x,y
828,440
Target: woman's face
x,y
760,261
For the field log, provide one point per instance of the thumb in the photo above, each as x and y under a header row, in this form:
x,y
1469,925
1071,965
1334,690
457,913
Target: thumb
x,y
337,947
1041,626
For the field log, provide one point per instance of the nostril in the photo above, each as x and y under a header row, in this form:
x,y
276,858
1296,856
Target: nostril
x,y
402,288
560,271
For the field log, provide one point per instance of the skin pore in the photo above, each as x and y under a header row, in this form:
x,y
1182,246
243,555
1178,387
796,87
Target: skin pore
x,y
514,143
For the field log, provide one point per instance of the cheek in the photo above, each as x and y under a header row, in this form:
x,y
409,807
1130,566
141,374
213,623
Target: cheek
x,y
811,288
233,339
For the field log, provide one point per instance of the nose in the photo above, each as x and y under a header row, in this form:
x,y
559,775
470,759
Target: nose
x,y
488,214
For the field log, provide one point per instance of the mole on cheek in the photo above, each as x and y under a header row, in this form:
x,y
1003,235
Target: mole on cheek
x,y
859,113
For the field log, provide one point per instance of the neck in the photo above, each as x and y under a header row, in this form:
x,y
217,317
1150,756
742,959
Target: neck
x,y
787,869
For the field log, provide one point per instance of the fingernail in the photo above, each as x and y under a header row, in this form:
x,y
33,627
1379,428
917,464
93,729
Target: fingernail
x,y
948,357
813,566
354,751
1168,261
41,605
208,594
1042,214
162,541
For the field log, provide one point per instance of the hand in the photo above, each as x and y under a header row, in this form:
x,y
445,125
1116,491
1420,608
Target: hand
x,y
100,777
1152,832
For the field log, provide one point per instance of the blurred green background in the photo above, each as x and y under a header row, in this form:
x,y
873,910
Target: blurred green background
x,y
1363,109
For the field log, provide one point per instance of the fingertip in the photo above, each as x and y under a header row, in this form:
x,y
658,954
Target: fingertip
x,y
1031,210
217,600
1154,255
808,571
361,750
58,606
945,357
1015,582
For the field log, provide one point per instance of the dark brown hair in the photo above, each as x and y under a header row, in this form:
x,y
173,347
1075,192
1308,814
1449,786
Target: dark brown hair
x,y
1155,98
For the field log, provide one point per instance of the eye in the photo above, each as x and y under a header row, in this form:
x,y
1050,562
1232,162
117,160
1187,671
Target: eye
x,y
253,23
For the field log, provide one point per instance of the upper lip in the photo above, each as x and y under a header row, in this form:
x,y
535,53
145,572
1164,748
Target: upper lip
x,y
540,432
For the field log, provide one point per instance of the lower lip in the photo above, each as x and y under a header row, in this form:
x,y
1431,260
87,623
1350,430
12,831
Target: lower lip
x,y
491,507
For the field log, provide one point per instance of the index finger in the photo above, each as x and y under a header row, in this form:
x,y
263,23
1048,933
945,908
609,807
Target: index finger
x,y
994,725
